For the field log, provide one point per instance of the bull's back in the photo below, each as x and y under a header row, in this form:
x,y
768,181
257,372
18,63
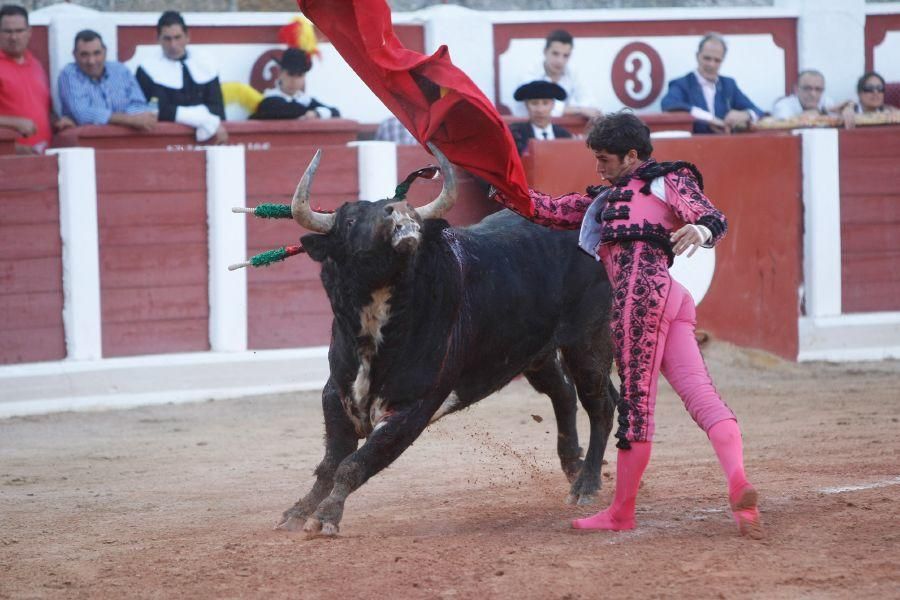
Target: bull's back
x,y
533,281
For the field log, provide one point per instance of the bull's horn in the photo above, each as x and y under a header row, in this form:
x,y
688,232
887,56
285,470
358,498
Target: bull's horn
x,y
302,213
447,198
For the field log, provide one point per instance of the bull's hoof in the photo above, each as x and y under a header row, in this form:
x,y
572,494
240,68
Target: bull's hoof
x,y
581,499
316,528
312,527
290,523
587,499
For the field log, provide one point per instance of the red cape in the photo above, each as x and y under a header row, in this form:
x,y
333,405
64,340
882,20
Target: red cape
x,y
435,100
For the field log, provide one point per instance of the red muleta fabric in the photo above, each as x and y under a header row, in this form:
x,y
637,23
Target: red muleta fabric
x,y
435,100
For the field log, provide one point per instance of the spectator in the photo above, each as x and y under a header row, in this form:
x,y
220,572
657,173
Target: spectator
x,y
184,82
539,98
555,68
392,130
24,88
808,98
870,92
288,99
715,102
96,92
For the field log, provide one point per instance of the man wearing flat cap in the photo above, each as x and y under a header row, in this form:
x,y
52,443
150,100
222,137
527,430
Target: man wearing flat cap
x,y
539,97
288,99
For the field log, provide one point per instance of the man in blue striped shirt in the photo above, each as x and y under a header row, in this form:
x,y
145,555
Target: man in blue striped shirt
x,y
96,92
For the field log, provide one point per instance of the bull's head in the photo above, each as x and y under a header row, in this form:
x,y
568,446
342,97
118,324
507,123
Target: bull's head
x,y
365,228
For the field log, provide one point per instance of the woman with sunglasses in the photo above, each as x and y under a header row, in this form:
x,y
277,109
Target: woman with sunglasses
x,y
870,90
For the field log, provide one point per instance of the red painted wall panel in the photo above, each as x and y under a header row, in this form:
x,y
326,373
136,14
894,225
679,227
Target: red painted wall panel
x,y
286,303
870,219
753,179
31,299
154,273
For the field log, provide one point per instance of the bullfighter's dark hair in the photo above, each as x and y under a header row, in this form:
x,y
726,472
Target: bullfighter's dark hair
x,y
867,75
618,133
168,18
88,35
712,35
10,10
559,35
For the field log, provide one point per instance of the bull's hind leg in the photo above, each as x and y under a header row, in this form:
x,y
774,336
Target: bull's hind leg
x,y
340,441
547,377
589,364
393,435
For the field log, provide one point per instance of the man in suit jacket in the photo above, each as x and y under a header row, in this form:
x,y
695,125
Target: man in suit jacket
x,y
716,103
539,98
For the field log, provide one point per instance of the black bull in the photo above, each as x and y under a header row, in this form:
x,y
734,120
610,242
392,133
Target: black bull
x,y
429,319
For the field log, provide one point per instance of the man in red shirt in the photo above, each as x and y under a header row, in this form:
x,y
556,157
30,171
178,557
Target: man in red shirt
x,y
24,88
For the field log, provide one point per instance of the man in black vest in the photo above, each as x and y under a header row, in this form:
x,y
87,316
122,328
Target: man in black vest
x,y
538,97
183,82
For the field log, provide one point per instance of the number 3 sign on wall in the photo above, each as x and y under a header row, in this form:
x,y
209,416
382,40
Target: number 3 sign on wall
x,y
637,75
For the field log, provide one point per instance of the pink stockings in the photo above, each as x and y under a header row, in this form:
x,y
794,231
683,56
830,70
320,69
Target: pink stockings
x,y
725,437
630,465
653,320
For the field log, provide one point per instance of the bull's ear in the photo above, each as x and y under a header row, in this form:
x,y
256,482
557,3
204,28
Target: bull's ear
x,y
317,246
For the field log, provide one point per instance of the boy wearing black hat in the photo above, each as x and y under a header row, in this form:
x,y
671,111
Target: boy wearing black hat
x,y
288,99
539,97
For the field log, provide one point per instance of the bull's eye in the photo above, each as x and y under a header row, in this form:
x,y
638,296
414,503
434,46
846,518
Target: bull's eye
x,y
389,210
350,222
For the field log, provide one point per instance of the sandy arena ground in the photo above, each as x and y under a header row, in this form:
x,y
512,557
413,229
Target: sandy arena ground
x,y
179,501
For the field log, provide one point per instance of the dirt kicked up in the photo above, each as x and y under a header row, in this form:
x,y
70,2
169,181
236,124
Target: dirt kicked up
x,y
179,501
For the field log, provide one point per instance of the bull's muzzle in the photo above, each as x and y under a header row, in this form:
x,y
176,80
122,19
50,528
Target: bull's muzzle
x,y
405,226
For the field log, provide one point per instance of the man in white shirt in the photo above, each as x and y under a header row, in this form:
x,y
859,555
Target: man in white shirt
x,y
538,97
555,68
715,101
808,98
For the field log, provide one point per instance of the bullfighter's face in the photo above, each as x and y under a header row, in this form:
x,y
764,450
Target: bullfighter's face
x,y
611,167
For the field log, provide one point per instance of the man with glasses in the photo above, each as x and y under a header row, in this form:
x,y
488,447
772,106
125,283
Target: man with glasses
x,y
24,88
808,98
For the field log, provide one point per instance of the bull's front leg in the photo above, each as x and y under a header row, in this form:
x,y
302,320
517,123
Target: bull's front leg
x,y
387,442
340,441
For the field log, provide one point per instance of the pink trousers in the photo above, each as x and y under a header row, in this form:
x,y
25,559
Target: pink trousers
x,y
653,321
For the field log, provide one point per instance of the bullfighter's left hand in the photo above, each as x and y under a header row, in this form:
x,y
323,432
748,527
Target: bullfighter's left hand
x,y
689,236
